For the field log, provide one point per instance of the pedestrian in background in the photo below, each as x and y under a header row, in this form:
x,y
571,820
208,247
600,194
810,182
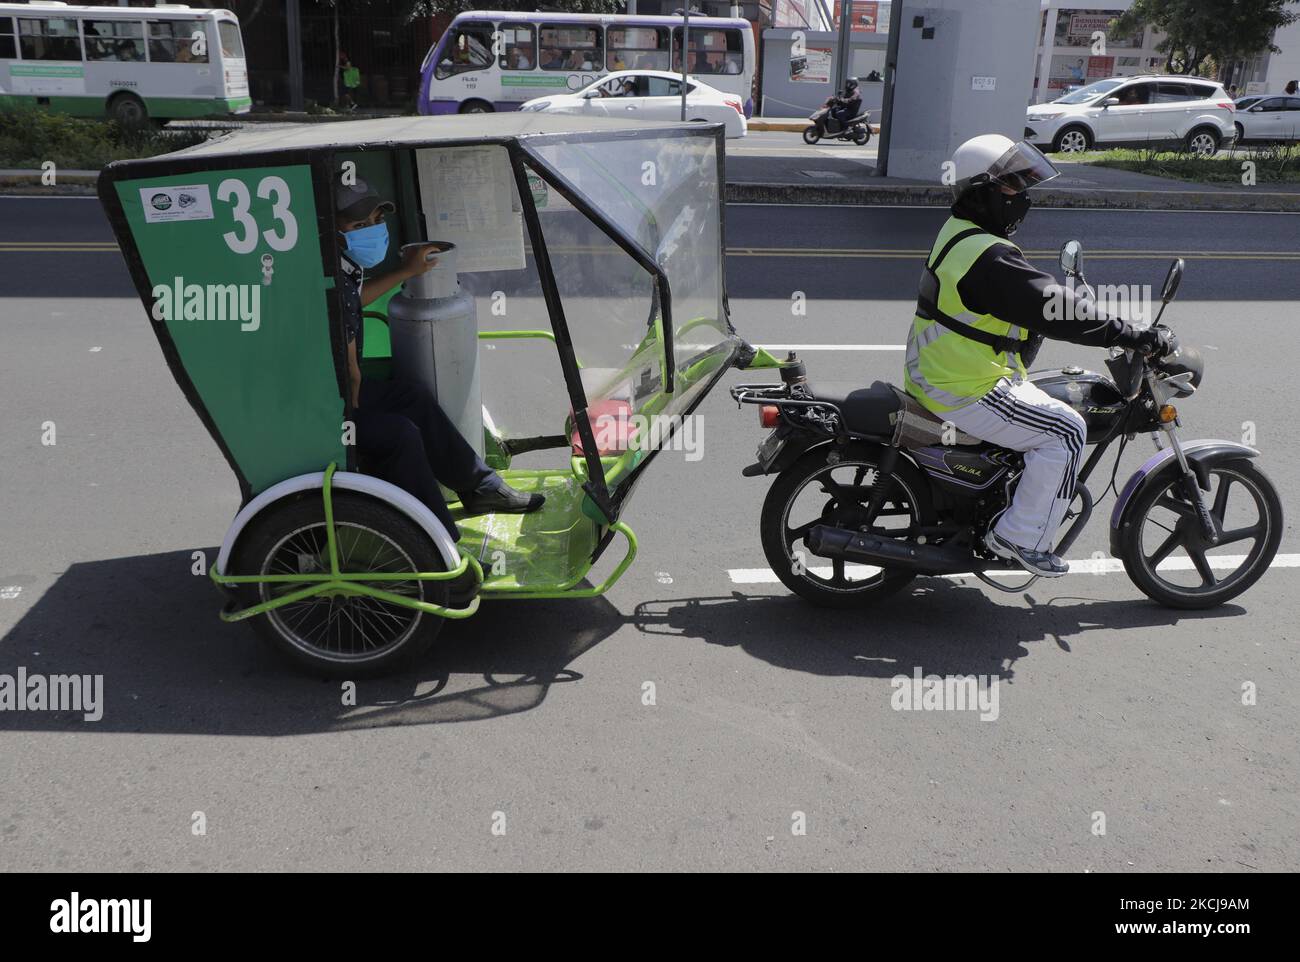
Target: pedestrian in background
x,y
351,76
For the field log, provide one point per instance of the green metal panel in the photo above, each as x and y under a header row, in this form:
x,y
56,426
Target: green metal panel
x,y
269,385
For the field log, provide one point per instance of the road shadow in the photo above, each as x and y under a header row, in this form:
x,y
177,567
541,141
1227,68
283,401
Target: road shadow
x,y
169,665
943,626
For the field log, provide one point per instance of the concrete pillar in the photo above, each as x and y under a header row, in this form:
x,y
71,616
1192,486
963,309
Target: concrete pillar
x,y
1045,58
962,69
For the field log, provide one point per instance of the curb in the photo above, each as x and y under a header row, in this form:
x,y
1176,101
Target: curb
x,y
861,195
788,124
67,183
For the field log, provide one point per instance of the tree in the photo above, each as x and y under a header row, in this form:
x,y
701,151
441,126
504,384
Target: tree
x,y
1200,32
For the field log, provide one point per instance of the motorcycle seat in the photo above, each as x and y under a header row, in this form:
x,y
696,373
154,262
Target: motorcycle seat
x,y
921,427
866,410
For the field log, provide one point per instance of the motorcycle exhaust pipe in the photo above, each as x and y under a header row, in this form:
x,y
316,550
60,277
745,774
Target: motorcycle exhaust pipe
x,y
872,549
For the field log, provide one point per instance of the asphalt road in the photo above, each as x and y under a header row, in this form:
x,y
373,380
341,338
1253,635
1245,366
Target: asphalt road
x,y
765,707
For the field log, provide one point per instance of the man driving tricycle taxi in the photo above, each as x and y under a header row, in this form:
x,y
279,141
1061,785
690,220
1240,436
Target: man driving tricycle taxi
x,y
402,434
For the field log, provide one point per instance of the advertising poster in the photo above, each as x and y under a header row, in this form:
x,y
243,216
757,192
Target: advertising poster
x,y
1075,29
868,17
813,67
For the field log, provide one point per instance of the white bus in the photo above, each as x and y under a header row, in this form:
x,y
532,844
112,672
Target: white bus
x,y
128,63
491,60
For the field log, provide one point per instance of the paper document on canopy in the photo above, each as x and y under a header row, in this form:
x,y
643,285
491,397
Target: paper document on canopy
x,y
470,199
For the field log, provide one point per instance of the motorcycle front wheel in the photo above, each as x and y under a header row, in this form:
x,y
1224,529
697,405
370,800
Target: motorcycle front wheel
x,y
1167,556
815,490
811,135
861,136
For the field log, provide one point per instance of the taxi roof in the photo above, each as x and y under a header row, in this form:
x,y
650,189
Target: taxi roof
x,y
422,131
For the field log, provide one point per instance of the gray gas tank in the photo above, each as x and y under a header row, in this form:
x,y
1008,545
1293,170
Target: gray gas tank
x,y
433,326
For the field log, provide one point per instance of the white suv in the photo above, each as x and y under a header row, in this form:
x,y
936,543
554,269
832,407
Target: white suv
x,y
1135,111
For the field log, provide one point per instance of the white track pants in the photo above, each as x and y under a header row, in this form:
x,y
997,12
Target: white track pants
x,y
1020,416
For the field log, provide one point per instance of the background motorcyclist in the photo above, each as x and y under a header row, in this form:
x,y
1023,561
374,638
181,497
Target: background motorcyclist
x,y
844,106
982,312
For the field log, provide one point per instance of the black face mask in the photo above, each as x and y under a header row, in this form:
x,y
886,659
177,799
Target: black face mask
x,y
1014,209
996,212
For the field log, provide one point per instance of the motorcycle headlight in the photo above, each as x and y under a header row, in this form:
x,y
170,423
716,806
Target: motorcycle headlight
x,y
1187,359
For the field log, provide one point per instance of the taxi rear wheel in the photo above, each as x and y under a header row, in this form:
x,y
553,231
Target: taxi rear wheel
x,y
341,635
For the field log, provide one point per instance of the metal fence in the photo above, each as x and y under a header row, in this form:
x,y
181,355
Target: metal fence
x,y
386,49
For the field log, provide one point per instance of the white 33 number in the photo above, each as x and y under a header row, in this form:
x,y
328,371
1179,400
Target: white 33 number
x,y
244,241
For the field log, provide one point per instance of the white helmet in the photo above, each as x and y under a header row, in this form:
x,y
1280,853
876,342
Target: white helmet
x,y
994,159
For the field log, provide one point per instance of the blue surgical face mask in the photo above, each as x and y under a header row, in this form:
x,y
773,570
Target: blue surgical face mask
x,y
368,245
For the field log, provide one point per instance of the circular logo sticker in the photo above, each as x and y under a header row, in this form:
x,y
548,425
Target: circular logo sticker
x,y
160,201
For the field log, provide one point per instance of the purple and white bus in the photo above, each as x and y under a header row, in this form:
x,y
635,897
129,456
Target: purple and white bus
x,y
491,60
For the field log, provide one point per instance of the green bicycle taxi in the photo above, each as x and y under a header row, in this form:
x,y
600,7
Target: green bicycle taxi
x,y
577,316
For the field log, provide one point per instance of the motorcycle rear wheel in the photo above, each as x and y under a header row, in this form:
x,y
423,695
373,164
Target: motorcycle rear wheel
x,y
1166,556
811,135
794,504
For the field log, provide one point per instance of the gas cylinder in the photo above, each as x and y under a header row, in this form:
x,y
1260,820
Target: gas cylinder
x,y
433,326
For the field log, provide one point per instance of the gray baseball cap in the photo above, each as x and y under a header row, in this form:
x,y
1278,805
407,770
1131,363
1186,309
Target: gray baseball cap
x,y
358,200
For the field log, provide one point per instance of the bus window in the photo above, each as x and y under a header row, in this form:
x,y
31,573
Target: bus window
x,y
53,39
570,47
8,46
470,48
637,48
121,40
177,41
232,44
712,51
519,50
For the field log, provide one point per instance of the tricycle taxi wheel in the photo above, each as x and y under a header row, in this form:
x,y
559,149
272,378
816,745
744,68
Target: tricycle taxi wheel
x,y
342,635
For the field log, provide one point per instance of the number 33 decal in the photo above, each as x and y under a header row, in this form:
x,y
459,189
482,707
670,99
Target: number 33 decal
x,y
244,240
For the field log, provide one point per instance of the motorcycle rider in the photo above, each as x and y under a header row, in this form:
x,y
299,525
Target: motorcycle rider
x,y
982,313
844,106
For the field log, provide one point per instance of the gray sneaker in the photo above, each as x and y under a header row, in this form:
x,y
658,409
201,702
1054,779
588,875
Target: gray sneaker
x,y
505,500
1042,563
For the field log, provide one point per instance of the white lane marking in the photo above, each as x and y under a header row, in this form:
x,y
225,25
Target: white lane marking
x,y
1078,566
833,347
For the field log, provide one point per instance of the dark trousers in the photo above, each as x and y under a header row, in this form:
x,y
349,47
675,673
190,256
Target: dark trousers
x,y
840,116
404,437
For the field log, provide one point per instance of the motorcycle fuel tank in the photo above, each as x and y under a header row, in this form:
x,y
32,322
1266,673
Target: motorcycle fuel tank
x,y
1093,395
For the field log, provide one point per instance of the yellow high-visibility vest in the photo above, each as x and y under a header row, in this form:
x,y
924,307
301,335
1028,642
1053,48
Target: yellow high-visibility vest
x,y
952,364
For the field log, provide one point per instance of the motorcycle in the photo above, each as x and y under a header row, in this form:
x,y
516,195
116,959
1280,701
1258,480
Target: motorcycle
x,y
858,129
873,483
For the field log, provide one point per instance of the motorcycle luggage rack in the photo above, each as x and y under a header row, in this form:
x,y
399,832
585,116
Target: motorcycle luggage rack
x,y
775,394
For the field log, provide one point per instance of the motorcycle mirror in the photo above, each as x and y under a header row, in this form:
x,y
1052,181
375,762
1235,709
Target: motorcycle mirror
x,y
1071,257
1172,280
